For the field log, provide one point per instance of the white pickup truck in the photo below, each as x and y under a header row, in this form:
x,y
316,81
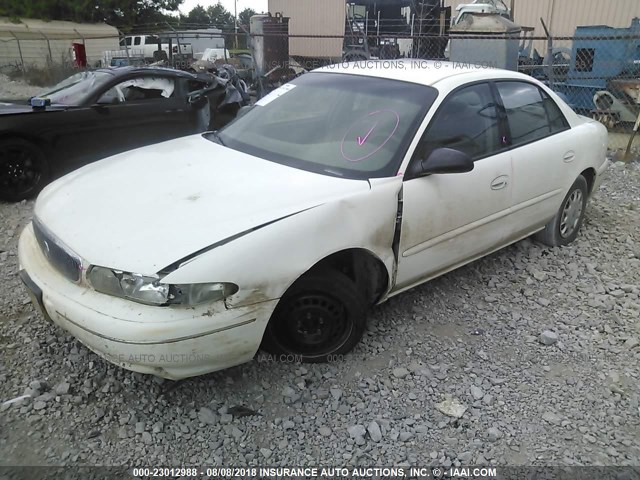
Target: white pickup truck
x,y
142,48
149,44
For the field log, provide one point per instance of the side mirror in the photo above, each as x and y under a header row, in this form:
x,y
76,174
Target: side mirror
x,y
446,160
38,103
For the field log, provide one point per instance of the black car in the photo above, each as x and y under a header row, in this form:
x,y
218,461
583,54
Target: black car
x,y
94,114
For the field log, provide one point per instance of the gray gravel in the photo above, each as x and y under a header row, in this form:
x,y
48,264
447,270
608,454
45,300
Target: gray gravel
x,y
535,349
17,89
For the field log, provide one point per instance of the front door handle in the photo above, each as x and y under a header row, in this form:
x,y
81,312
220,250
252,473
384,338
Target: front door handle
x,y
499,183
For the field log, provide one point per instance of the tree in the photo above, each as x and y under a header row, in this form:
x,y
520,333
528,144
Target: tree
x,y
120,13
221,18
245,15
153,10
198,16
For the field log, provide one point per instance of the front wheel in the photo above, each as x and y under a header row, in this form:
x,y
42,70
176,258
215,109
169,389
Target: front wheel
x,y
563,228
24,171
322,315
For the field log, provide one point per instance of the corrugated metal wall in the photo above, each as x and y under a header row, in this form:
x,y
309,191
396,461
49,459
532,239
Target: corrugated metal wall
x,y
563,16
313,17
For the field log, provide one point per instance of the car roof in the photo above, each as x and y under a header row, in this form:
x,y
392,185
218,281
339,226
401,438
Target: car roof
x,y
424,72
119,71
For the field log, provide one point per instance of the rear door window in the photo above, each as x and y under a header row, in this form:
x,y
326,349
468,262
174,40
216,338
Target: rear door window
x,y
531,113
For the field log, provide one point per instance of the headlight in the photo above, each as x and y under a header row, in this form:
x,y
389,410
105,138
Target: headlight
x,y
149,290
197,293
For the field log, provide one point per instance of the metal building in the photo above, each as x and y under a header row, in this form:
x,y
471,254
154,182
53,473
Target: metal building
x,y
36,43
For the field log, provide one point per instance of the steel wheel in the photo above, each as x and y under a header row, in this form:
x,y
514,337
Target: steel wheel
x,y
23,170
563,228
312,324
571,213
320,316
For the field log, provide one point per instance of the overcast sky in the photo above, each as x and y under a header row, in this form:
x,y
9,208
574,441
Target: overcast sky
x,y
259,6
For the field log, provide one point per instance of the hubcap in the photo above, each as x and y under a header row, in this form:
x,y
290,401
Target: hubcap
x,y
313,324
571,214
19,170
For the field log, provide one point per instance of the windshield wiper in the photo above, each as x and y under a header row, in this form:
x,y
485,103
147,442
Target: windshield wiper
x,y
216,137
333,172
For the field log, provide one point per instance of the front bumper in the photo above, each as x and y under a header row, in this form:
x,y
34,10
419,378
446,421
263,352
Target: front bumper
x,y
170,342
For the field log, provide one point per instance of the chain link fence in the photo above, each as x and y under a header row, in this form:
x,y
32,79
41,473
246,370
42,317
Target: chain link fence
x,y
596,71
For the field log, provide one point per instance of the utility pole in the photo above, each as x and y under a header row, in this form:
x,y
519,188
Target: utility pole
x,y
235,23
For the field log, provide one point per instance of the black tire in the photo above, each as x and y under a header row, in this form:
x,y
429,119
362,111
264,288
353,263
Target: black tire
x,y
564,227
327,301
24,170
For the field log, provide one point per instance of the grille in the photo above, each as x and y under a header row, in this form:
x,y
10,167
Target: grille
x,y
59,256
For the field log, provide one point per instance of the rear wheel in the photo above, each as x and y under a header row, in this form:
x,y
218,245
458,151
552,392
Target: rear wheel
x,y
323,314
24,171
563,228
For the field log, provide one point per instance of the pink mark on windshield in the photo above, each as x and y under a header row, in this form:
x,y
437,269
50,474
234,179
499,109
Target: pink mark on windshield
x,y
390,117
362,140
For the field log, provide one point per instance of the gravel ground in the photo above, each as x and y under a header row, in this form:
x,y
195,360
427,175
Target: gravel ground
x,y
537,348
16,89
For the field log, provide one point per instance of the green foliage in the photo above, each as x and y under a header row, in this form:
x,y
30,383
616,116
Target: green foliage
x,y
244,16
120,13
216,15
220,17
198,15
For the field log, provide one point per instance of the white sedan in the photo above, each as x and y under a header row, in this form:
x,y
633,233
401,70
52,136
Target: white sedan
x,y
332,194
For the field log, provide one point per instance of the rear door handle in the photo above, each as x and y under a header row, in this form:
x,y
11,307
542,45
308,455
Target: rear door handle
x,y
499,183
569,157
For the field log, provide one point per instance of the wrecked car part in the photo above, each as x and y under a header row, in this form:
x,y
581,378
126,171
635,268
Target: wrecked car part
x,y
226,93
139,105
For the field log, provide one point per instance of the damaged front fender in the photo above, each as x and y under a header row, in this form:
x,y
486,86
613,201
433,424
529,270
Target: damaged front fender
x,y
266,262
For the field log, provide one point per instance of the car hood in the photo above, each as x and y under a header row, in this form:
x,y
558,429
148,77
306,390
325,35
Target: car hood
x,y
145,209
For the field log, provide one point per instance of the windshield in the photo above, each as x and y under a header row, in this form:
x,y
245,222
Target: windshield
x,y
337,124
73,90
